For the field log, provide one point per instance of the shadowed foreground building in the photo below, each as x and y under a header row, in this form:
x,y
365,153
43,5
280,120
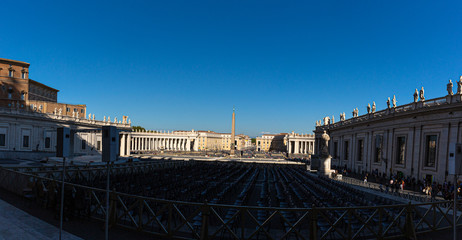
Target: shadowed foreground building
x,y
409,140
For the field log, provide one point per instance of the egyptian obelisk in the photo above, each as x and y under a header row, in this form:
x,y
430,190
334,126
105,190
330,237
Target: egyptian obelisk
x,y
233,129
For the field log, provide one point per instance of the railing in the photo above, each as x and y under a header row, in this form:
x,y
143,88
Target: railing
x,y
90,172
184,220
394,192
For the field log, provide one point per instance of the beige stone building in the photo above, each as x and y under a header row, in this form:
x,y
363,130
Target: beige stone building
x,y
18,91
410,140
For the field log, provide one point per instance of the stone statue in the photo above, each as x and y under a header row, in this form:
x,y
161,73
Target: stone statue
x,y
129,122
55,111
104,119
422,97
354,112
325,144
394,101
388,103
449,87
60,111
332,119
368,108
373,107
73,114
326,120
108,119
357,112
115,120
459,86
89,116
93,117
77,114
416,95
317,123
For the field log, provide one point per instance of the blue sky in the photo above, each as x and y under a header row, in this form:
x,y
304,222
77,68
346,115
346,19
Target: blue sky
x,y
283,64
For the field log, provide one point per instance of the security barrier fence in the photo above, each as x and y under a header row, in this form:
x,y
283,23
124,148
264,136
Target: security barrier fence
x,y
186,220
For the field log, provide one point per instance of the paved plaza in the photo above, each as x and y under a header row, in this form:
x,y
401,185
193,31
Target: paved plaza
x,y
17,224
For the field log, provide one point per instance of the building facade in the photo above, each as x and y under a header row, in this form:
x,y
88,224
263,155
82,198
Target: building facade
x,y
18,91
26,134
150,141
292,143
409,140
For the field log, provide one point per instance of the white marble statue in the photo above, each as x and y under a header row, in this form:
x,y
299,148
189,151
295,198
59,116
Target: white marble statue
x,y
449,88
55,111
93,117
422,97
108,119
115,120
342,117
394,101
416,95
388,103
104,119
368,108
73,114
373,107
326,121
77,114
60,111
317,123
129,122
332,119
89,116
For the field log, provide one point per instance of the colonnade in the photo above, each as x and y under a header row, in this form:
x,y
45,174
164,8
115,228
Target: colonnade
x,y
144,143
296,146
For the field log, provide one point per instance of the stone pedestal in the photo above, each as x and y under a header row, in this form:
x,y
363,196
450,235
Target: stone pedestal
x,y
324,166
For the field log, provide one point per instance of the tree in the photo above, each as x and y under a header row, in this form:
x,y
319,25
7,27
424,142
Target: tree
x,y
254,140
138,128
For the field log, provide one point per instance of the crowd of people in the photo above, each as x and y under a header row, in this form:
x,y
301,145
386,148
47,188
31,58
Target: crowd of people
x,y
398,183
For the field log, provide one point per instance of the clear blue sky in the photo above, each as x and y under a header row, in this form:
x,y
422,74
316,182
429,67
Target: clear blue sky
x,y
283,64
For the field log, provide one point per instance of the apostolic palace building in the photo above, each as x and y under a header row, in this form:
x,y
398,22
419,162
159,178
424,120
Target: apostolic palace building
x,y
411,140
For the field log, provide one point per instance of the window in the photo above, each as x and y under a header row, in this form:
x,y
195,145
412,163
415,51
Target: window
x,y
400,150
360,149
2,140
23,96
346,150
10,73
430,151
47,142
335,149
68,109
378,148
84,144
75,110
23,75
25,141
81,110
98,145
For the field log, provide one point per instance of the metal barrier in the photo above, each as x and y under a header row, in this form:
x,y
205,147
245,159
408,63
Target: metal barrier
x,y
185,220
